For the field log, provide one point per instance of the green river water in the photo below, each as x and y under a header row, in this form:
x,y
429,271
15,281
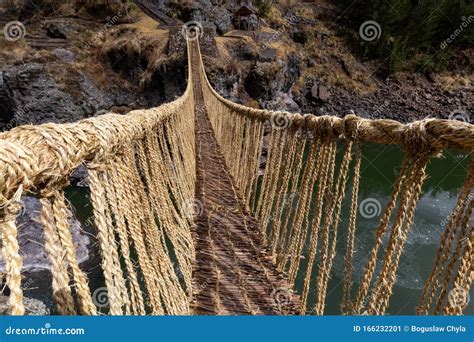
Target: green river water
x,y
380,165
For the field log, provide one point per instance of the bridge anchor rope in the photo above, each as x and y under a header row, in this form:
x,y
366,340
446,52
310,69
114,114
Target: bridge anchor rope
x,y
144,169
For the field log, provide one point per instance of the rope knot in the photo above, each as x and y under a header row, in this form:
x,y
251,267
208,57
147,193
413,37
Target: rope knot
x,y
298,120
51,188
416,141
351,126
326,127
310,121
9,208
96,166
60,142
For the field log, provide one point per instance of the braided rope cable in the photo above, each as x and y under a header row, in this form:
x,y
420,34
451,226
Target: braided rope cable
x,y
346,303
332,221
465,272
60,278
304,208
86,306
155,174
325,177
431,286
136,298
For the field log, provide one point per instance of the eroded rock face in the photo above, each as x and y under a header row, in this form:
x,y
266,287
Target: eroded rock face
x,y
31,239
32,94
271,82
37,96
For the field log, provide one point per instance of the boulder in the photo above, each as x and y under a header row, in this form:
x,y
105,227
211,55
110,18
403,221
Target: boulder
x,y
268,55
222,19
266,80
61,28
320,92
323,93
63,54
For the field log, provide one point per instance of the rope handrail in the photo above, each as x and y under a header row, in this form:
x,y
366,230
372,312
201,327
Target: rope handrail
x,y
439,133
133,162
142,174
116,130
298,200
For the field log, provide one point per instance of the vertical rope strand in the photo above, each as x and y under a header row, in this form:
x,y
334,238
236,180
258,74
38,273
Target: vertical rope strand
x,y
346,303
60,278
60,213
13,260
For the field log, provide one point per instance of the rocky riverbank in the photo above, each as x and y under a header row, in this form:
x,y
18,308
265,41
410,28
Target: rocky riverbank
x,y
72,65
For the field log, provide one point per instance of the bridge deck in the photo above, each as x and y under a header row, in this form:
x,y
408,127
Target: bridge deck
x,y
233,274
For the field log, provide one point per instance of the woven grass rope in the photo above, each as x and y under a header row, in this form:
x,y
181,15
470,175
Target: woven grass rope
x,y
142,175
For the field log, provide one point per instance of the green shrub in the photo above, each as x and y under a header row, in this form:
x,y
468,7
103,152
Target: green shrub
x,y
263,6
410,28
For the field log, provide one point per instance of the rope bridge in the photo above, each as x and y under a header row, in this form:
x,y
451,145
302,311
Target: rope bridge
x,y
186,224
